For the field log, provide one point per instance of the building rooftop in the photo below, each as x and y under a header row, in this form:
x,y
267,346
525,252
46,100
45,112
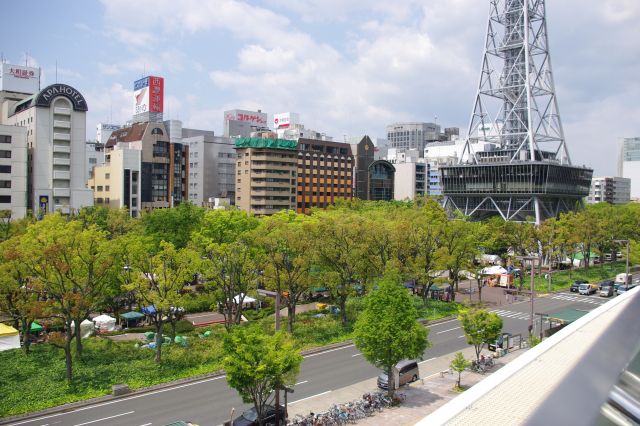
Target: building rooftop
x,y
266,143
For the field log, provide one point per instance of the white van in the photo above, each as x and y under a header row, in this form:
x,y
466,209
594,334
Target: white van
x,y
622,278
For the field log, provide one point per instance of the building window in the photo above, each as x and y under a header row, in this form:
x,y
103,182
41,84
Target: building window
x,y
106,188
99,188
107,176
5,169
5,184
5,154
5,199
99,200
5,138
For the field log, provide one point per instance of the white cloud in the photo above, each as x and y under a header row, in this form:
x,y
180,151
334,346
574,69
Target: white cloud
x,y
352,67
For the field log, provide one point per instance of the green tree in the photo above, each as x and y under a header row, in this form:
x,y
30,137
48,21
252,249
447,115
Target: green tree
x,y
173,225
256,364
18,299
231,271
387,331
460,245
288,248
459,364
224,226
480,327
159,281
340,251
70,265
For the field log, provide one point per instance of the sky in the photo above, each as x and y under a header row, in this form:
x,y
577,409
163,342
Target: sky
x,y
348,67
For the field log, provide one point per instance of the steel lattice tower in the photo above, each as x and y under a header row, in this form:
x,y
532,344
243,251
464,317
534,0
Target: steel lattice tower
x,y
515,161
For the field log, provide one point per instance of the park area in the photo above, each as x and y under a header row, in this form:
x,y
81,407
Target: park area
x,y
106,362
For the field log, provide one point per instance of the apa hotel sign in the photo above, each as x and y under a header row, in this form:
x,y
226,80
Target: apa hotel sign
x,y
47,94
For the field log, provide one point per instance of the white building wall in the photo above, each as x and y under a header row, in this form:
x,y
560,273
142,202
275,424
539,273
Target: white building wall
x,y
56,142
404,186
13,181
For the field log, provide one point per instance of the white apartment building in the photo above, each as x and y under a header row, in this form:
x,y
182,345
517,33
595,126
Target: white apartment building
x,y
609,189
13,171
55,121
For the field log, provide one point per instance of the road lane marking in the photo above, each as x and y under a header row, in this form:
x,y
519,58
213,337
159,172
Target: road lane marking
x,y
460,337
120,400
426,360
355,355
146,424
309,397
106,418
299,383
330,350
443,322
444,331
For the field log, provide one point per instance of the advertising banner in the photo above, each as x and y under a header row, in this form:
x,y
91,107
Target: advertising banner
x,y
14,78
256,118
148,95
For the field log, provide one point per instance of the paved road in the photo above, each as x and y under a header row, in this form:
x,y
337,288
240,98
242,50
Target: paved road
x,y
209,401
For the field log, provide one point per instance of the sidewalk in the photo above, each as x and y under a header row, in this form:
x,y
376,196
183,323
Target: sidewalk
x,y
422,397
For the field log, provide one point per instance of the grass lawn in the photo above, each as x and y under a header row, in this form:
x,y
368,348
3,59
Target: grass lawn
x,y
562,280
37,381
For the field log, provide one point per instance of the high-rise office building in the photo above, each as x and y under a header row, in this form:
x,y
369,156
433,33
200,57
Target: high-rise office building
x,y
325,173
629,165
412,135
266,175
373,179
164,168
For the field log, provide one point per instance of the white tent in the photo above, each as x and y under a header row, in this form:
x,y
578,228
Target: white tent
x,y
105,323
9,338
493,270
86,328
246,301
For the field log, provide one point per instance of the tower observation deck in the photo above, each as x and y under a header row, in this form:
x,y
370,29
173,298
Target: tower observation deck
x,y
524,171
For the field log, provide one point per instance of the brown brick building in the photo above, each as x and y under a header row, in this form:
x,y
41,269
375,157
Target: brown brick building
x,y
325,173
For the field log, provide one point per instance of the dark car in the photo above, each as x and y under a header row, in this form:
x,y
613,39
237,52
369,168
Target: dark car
x,y
250,417
576,285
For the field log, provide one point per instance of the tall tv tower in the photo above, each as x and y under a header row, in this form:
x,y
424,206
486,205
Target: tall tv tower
x,y
515,161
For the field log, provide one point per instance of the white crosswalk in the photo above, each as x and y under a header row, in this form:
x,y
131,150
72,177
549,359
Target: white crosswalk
x,y
511,314
575,298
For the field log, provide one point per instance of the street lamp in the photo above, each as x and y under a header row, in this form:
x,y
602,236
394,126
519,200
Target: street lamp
x,y
531,259
626,278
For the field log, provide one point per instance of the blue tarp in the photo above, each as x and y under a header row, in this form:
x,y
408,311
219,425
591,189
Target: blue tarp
x,y
149,310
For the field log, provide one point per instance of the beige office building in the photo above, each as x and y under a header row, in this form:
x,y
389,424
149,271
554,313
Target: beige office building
x,y
265,175
116,184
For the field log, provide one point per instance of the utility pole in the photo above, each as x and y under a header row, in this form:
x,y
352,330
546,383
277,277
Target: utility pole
x,y
626,277
531,259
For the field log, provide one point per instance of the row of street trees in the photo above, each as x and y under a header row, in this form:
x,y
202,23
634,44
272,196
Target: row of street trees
x,y
103,260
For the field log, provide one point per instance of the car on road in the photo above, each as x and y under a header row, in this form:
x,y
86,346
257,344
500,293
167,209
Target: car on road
x,y
250,417
587,289
624,288
408,371
576,285
606,290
